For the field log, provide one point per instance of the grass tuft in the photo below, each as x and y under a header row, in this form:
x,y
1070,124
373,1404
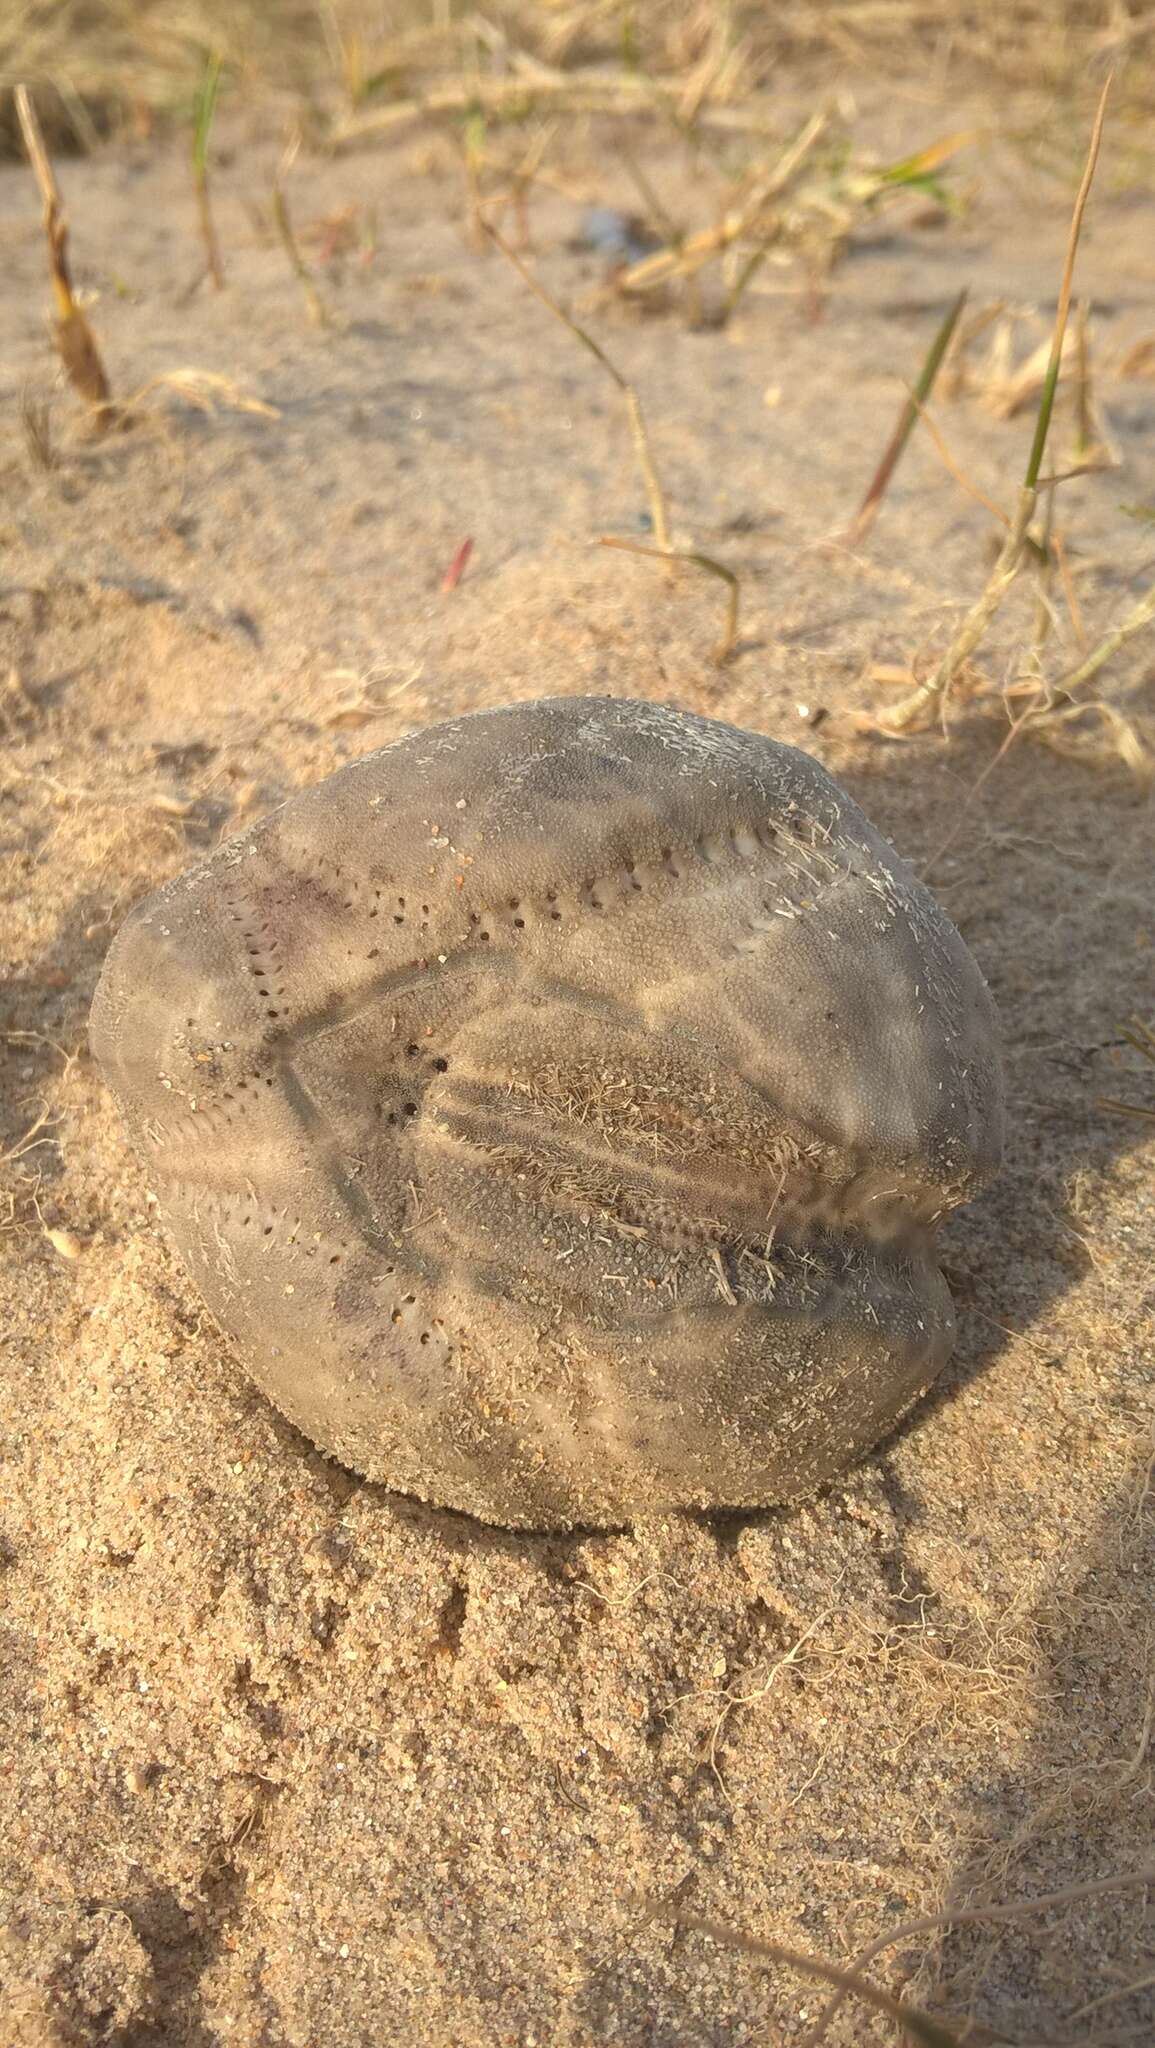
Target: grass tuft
x,y
927,700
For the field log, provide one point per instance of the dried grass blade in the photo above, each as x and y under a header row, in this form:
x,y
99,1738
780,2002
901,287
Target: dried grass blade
x,y
75,341
696,250
1047,402
207,390
746,275
1122,739
964,482
1140,616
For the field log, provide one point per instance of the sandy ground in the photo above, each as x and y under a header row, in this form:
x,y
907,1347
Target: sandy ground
x,y
287,1758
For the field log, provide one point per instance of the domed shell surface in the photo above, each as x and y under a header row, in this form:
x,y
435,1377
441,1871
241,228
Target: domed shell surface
x,y
556,1109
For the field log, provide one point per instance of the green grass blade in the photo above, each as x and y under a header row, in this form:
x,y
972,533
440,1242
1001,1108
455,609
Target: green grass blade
x,y
1051,381
205,110
892,455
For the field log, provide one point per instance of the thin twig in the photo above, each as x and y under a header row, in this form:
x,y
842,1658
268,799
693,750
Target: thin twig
x,y
976,787
654,493
1142,1037
618,92
1070,593
745,277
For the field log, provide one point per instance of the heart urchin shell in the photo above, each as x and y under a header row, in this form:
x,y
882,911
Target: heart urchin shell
x,y
557,1109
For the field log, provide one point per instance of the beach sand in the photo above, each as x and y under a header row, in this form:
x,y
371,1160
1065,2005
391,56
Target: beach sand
x,y
287,1758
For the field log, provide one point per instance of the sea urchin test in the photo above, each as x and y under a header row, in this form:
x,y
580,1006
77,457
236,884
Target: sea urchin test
x,y
557,1110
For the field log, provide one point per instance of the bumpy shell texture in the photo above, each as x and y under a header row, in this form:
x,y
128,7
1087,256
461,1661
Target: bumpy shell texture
x,y
557,1109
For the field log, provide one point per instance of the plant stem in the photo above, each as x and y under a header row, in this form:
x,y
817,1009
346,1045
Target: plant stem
x,y
930,694
1142,614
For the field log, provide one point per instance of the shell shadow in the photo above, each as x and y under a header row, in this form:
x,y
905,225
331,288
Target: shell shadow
x,y
1049,881
1050,903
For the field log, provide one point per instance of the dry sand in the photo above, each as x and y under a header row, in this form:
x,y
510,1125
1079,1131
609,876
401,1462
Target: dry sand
x,y
289,1759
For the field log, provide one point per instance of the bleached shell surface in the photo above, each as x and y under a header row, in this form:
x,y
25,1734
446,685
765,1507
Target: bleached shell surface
x,y
556,1109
